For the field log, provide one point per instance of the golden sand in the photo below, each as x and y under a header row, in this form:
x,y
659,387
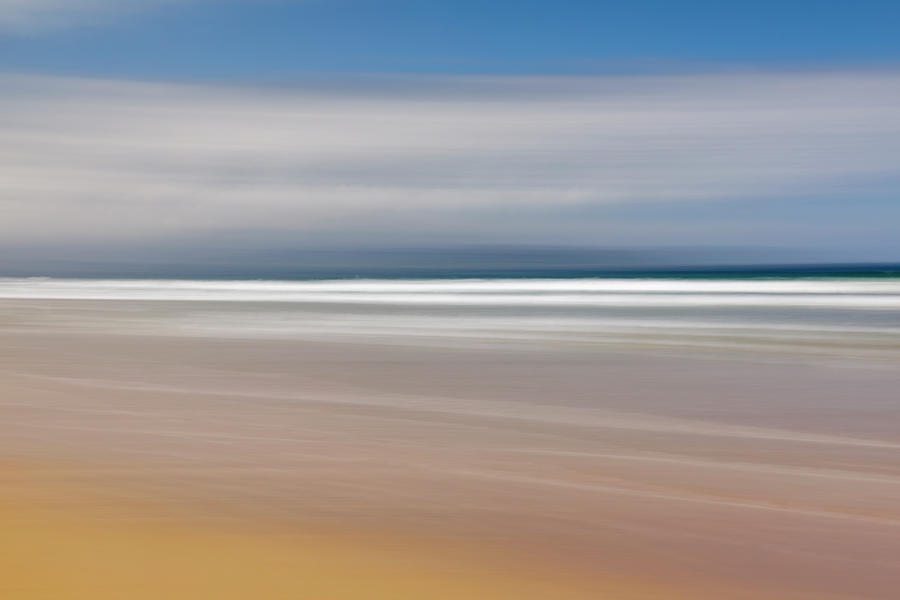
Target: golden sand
x,y
78,553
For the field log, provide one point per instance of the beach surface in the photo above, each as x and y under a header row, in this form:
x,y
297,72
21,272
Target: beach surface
x,y
140,462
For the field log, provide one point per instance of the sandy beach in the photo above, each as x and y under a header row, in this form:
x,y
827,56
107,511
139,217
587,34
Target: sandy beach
x,y
203,466
105,549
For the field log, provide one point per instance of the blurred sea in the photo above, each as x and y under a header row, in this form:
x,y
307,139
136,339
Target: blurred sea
x,y
853,312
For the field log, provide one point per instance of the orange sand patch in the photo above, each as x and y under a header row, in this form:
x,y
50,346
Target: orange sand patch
x,y
76,553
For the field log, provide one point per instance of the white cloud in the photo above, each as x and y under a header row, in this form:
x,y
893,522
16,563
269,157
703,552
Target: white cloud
x,y
104,160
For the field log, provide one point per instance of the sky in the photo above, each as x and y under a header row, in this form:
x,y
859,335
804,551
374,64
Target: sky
x,y
251,125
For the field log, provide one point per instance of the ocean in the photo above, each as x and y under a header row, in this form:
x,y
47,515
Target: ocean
x,y
849,314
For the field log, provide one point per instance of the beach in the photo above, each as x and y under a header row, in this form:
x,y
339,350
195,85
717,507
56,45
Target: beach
x,y
501,442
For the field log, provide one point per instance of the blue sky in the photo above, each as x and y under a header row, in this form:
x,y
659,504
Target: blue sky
x,y
278,38
382,122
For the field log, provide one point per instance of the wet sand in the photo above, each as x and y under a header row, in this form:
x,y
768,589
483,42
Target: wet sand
x,y
203,467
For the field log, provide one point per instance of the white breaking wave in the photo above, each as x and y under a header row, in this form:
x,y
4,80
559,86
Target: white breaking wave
x,y
824,293
833,316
